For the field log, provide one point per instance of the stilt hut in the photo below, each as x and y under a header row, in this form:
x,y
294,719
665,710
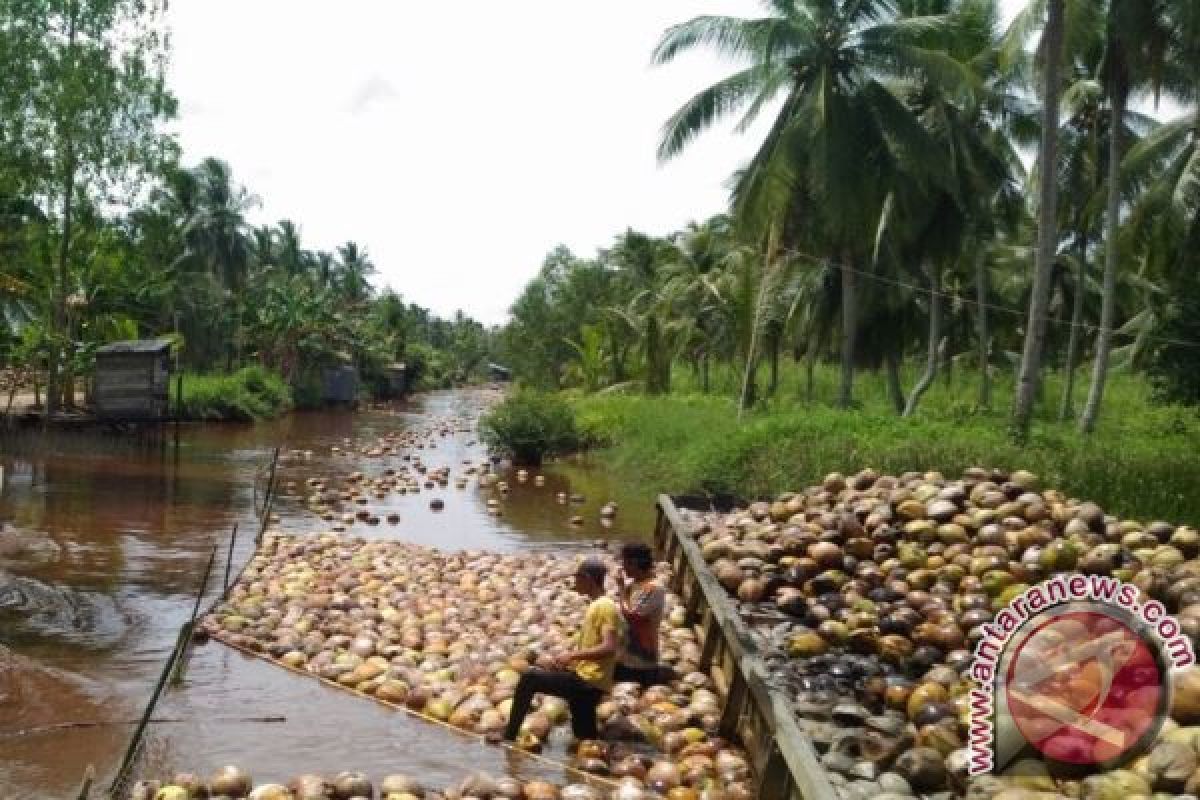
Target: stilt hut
x,y
133,381
340,383
397,378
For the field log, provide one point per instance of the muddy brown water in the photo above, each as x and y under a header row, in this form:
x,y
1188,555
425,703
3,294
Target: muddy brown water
x,y
103,549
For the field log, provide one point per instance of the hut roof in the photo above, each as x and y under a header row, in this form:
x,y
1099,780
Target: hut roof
x,y
158,345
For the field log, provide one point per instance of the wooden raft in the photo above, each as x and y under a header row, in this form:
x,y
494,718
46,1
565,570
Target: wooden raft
x,y
761,719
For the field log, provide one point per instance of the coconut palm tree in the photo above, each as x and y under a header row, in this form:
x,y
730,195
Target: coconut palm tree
x,y
354,269
1051,53
1137,47
836,139
290,252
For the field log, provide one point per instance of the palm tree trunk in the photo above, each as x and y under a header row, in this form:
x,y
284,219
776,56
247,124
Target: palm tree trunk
x,y
1035,332
62,286
981,327
947,355
57,349
653,346
849,330
810,370
1066,409
895,390
1091,412
935,335
774,349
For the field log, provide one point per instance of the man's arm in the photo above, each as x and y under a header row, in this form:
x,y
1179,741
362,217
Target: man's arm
x,y
649,604
607,647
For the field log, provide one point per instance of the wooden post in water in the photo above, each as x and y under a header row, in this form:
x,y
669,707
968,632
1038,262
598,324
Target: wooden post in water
x,y
185,633
85,788
268,499
229,558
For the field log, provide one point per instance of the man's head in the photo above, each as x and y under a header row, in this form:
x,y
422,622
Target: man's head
x,y
637,560
589,577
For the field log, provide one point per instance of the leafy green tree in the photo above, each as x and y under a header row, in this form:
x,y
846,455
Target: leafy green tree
x,y
839,132
84,111
1137,46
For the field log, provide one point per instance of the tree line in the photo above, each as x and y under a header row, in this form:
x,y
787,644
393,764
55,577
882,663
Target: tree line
x,y
933,186
106,235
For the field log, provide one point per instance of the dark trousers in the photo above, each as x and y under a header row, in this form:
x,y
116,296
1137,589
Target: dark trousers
x,y
645,676
581,698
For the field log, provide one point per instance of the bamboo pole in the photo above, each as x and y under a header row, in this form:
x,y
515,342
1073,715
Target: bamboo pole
x,y
85,787
185,632
229,558
269,499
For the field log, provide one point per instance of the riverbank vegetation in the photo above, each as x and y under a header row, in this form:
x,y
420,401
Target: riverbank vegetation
x,y
252,393
105,234
1141,462
896,229
529,426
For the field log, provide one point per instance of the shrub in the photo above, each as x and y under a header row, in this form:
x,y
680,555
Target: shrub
x,y
530,425
249,394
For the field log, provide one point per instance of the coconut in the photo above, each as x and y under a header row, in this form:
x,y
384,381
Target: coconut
x,y
270,791
1185,696
541,790
144,790
347,785
192,782
310,787
580,791
230,781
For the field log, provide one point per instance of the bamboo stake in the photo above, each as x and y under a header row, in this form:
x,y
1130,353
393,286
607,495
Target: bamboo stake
x,y
229,557
185,632
269,499
85,788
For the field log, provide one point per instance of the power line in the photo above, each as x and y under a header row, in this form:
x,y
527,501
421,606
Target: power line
x,y
1087,328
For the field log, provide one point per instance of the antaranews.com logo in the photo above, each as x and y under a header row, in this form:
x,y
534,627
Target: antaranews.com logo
x,y
1076,667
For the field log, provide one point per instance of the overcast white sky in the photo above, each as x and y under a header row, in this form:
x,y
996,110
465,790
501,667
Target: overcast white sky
x,y
458,142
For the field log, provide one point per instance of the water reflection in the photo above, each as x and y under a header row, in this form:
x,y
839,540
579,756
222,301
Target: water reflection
x,y
124,531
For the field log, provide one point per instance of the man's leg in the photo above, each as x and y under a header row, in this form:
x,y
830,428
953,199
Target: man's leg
x,y
582,701
539,681
530,682
644,676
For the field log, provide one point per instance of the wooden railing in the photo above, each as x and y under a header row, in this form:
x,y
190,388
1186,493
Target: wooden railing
x,y
753,714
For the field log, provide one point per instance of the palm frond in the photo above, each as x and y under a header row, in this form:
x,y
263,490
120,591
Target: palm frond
x,y
731,37
706,107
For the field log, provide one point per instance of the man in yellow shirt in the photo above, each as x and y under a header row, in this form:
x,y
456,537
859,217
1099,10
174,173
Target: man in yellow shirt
x,y
582,676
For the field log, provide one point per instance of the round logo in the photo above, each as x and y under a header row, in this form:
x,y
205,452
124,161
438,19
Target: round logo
x,y
1085,686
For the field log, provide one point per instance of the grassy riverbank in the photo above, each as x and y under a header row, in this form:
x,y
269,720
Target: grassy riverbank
x,y
1143,462
251,393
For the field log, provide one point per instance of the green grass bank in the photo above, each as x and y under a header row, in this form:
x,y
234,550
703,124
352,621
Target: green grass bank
x,y
1143,462
251,393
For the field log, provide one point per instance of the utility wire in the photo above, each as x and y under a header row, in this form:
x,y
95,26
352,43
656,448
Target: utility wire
x,y
1088,328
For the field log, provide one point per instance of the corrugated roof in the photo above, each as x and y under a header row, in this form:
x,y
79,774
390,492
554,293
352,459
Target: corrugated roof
x,y
137,346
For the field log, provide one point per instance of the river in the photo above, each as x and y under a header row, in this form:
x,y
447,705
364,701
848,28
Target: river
x,y
104,546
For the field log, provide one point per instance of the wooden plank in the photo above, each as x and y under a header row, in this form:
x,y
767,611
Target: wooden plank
x,y
748,679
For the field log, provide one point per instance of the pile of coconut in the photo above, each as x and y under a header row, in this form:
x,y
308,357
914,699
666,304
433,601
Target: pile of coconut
x,y
447,634
235,783
868,594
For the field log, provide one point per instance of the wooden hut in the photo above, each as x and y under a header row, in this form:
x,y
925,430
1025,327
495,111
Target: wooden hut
x,y
397,380
340,384
133,380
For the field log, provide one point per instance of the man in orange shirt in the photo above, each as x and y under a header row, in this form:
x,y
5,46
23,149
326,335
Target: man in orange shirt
x,y
643,602
582,676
